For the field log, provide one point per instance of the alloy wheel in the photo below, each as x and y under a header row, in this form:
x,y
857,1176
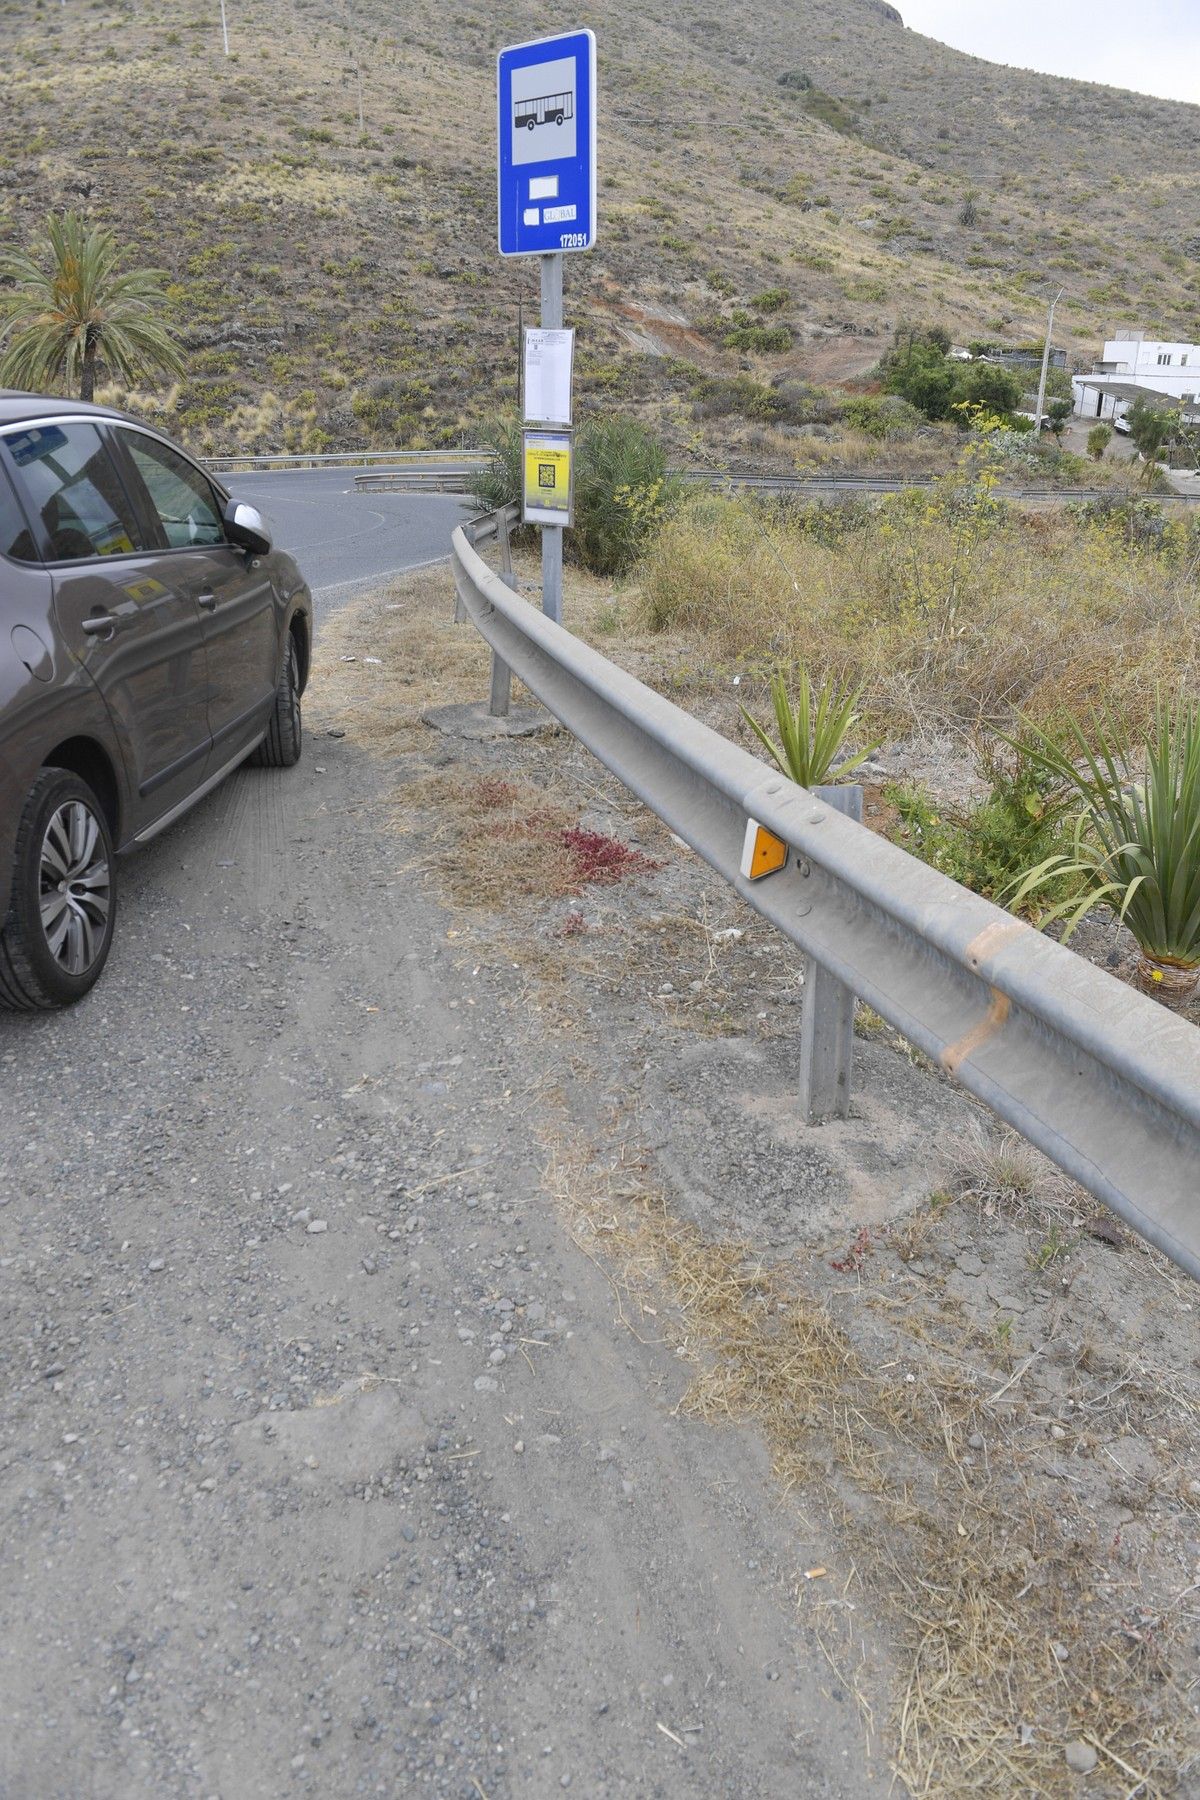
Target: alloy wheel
x,y
76,887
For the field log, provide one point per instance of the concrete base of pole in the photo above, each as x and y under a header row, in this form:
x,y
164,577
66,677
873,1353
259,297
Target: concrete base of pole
x,y
477,725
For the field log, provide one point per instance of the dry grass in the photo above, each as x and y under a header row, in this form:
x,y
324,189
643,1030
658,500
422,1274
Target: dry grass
x,y
492,840
382,661
1001,1171
953,615
974,1580
490,843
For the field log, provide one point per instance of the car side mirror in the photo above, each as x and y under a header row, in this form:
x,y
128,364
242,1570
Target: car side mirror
x,y
245,525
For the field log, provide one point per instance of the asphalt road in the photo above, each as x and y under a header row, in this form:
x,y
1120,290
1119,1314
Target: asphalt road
x,y
344,540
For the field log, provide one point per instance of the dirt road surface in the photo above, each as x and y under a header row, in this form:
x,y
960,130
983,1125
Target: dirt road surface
x,y
325,1466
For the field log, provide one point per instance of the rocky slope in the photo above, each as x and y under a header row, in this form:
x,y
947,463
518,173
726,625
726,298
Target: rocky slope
x,y
802,175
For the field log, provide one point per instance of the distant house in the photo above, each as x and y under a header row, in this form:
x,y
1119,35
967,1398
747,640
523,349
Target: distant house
x,y
1133,368
1025,356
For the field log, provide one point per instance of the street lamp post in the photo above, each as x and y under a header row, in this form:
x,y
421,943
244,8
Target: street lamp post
x,y
1041,399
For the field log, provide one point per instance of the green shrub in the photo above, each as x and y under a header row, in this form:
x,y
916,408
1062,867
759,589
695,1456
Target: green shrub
x,y
830,111
623,493
498,483
764,340
773,300
919,369
989,845
884,416
738,396
1098,440
987,384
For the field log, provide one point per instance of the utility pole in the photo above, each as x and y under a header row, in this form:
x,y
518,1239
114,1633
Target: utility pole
x,y
224,28
1041,399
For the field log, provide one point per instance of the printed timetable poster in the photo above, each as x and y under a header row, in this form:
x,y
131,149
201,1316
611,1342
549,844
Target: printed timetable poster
x,y
547,384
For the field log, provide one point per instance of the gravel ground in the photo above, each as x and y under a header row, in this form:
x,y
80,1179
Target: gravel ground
x,y
325,1469
337,1454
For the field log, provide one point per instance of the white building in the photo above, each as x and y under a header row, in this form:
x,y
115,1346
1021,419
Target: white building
x,y
1134,367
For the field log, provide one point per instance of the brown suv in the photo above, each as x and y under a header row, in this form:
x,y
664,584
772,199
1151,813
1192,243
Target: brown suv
x,y
150,640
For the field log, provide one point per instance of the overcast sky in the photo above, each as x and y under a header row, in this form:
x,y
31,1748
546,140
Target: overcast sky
x,y
1153,47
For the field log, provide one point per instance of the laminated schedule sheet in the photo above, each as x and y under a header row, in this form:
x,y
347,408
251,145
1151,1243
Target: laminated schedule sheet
x,y
548,359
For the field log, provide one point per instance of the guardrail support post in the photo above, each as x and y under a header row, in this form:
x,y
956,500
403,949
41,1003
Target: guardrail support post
x,y
827,1019
501,695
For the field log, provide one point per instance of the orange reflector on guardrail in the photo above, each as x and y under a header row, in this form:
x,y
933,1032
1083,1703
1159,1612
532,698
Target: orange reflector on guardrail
x,y
762,853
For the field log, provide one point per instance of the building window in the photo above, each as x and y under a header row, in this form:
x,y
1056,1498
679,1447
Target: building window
x,y
1164,358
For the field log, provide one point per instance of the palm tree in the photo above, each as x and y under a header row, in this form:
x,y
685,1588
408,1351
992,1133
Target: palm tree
x,y
58,322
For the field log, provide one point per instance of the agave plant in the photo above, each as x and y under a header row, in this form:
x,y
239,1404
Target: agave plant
x,y
1135,846
812,732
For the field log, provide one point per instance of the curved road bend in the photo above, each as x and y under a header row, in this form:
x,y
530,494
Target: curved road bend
x,y
344,540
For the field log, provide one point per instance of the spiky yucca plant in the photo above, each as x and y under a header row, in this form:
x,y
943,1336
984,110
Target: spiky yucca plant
x,y
74,309
1136,843
812,732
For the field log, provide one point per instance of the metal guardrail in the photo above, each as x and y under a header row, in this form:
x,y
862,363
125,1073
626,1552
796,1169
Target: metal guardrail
x,y
449,471
418,481
347,459
456,481
1102,1079
867,484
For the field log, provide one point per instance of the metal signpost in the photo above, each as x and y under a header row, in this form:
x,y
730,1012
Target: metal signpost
x,y
546,96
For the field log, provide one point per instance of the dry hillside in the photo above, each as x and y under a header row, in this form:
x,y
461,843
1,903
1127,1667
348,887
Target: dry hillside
x,y
810,166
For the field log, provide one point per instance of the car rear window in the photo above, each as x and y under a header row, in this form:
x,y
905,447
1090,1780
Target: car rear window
x,y
73,486
16,540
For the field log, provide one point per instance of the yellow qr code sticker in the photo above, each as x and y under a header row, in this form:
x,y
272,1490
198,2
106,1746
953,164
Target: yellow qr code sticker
x,y
547,478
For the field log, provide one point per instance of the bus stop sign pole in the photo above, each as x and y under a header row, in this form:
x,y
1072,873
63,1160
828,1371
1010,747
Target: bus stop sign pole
x,y
546,144
552,537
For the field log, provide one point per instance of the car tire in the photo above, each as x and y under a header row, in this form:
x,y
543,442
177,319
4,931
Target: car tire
x,y
280,749
55,942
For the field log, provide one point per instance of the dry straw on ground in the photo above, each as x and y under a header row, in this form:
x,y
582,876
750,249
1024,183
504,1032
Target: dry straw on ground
x,y
974,1582
384,659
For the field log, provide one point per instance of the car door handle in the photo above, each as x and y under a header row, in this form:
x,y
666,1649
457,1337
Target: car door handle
x,y
99,625
207,600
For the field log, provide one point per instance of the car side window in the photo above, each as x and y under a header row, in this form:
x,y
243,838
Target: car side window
x,y
16,539
182,498
74,487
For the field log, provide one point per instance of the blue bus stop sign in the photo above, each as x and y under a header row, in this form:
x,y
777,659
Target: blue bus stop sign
x,y
547,118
